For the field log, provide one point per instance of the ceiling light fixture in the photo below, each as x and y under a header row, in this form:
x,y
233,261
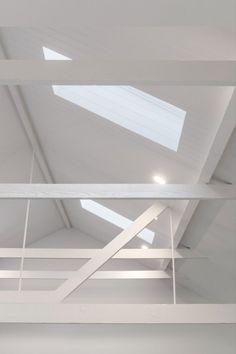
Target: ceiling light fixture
x,y
159,179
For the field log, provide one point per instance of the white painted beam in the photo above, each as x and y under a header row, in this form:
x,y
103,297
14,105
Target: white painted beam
x,y
95,263
22,111
85,253
26,297
74,72
102,275
118,313
119,191
77,13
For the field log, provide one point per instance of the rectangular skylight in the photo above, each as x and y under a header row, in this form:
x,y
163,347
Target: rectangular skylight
x,y
126,106
114,218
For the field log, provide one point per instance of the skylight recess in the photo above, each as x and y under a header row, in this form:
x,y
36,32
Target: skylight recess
x,y
114,218
126,106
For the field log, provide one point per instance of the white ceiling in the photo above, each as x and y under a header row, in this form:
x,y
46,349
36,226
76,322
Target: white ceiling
x,y
81,147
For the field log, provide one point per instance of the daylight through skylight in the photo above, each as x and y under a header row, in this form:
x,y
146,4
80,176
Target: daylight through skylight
x,y
127,107
114,218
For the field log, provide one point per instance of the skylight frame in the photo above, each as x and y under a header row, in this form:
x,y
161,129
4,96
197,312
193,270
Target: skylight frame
x,y
126,106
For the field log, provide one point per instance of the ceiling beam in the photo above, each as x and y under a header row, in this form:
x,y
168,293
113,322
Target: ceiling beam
x,y
101,275
85,253
77,13
106,253
118,313
23,113
80,72
118,191
27,297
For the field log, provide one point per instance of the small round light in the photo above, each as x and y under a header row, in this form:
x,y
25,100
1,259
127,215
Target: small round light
x,y
144,247
159,179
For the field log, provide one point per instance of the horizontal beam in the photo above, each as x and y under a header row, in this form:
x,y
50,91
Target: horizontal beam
x,y
74,72
86,253
117,313
118,191
27,297
101,275
77,13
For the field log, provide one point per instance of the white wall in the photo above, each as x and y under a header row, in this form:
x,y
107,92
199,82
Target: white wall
x,y
125,339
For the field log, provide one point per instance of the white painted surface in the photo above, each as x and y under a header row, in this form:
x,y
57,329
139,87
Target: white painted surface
x,y
126,106
150,13
104,339
90,72
118,313
116,156
169,42
120,191
106,274
130,159
108,251
70,253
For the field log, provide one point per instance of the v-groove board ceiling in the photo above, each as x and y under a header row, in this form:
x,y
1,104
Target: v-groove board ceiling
x,y
81,144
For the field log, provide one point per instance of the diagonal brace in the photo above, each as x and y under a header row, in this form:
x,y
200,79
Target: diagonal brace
x,y
90,267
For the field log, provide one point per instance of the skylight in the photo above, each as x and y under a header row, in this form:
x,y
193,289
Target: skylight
x,y
114,218
126,106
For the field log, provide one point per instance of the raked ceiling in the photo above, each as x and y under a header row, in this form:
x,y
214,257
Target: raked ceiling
x,y
80,147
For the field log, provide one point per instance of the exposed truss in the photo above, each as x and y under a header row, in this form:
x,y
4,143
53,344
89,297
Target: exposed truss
x,y
108,251
86,72
99,257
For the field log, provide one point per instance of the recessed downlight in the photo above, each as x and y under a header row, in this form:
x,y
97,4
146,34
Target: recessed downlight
x,y
159,179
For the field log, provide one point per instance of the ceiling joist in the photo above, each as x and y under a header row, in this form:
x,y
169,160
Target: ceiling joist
x,y
118,313
80,72
100,275
84,253
118,191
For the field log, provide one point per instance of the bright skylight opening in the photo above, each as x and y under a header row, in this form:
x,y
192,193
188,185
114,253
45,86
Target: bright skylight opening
x,y
114,218
126,106
50,54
